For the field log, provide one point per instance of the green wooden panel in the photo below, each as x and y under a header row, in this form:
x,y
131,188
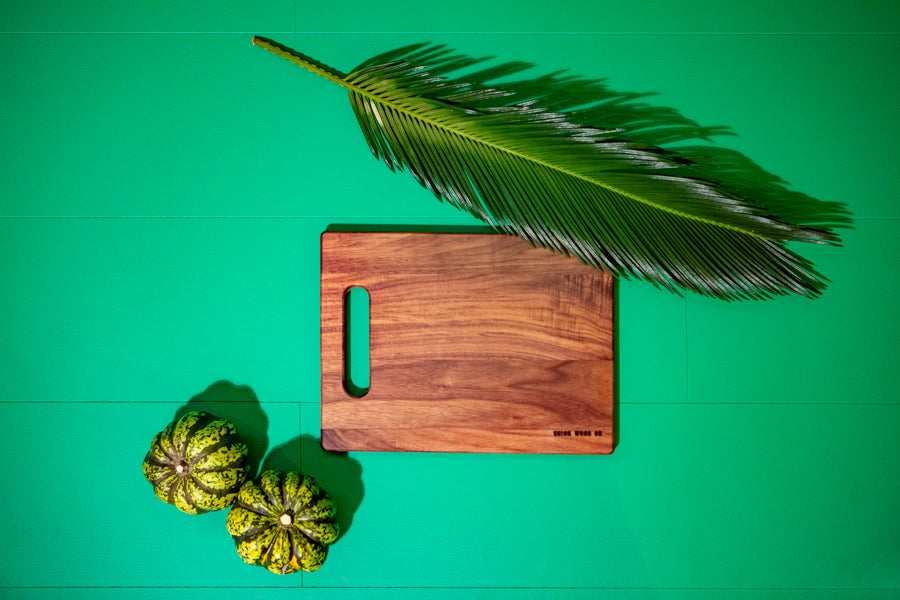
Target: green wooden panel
x,y
210,125
83,515
167,304
695,496
147,310
655,371
147,15
757,441
513,16
840,348
706,16
459,593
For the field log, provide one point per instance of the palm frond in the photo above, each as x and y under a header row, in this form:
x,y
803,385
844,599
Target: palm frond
x,y
570,165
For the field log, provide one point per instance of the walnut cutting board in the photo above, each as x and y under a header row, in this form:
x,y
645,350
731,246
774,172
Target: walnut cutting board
x,y
478,343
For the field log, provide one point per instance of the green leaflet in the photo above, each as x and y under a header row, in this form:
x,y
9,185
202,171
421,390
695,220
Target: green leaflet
x,y
572,166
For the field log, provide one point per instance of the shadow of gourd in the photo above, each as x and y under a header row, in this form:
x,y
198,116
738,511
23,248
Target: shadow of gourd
x,y
238,404
338,474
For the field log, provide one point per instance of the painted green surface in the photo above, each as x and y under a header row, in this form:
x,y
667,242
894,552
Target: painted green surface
x,y
506,16
162,192
356,353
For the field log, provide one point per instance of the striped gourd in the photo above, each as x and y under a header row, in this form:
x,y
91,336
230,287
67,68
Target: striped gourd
x,y
283,522
197,463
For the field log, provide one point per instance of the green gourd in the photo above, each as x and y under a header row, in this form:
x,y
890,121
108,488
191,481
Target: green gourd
x,y
283,522
197,463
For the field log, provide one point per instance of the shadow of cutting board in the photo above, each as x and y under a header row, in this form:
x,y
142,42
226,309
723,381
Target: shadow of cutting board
x,y
477,343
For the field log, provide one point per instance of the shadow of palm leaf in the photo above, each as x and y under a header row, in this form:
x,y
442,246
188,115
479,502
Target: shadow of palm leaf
x,y
592,103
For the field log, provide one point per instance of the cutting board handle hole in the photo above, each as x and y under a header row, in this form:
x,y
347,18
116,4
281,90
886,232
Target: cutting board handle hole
x,y
356,341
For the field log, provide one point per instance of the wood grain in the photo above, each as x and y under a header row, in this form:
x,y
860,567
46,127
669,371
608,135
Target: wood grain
x,y
478,343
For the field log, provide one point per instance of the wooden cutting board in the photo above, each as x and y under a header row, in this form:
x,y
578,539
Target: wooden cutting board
x,y
478,343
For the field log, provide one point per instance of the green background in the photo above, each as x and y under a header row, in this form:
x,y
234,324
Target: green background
x,y
163,186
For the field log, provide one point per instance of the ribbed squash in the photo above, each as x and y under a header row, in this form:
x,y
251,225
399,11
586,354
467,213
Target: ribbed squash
x,y
283,522
197,463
